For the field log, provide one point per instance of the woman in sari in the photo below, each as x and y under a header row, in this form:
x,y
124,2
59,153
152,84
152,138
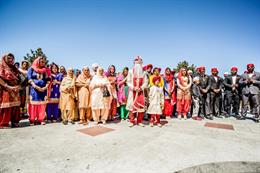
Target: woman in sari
x,y
9,92
184,82
111,75
100,96
122,93
169,93
67,97
52,109
39,81
82,83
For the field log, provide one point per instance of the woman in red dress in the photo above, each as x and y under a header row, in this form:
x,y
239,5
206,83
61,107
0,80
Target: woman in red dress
x,y
111,75
9,92
184,82
169,93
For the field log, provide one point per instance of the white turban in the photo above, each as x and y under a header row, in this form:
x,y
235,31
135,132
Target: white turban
x,y
95,65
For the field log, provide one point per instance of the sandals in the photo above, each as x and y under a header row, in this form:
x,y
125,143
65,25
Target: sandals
x,y
131,125
71,122
65,122
141,124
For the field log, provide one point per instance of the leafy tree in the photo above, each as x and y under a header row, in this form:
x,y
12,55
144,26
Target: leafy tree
x,y
30,57
185,64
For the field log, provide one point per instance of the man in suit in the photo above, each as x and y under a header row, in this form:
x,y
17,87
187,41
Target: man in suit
x,y
250,84
204,86
215,93
148,72
224,99
231,84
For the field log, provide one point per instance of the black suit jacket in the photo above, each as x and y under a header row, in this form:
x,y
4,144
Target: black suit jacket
x,y
215,84
205,82
253,88
228,83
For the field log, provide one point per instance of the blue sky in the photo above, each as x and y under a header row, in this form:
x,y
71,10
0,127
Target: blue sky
x,y
75,33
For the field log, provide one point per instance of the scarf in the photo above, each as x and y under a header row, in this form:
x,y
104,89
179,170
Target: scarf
x,y
37,69
9,73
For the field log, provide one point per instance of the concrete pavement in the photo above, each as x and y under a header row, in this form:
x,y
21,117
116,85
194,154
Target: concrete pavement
x,y
178,145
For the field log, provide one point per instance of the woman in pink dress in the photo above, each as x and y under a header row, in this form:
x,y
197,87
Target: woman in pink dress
x,y
122,93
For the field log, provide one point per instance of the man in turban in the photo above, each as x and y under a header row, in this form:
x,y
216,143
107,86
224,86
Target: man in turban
x,y
215,93
204,86
231,84
148,72
137,82
250,84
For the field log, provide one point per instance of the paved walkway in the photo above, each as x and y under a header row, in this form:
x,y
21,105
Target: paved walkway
x,y
178,145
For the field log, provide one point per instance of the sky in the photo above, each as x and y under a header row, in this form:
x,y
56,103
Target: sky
x,y
77,33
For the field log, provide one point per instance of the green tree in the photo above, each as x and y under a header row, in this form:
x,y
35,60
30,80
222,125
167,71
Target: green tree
x,y
185,64
30,57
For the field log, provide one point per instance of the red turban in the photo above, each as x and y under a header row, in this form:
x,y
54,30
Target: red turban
x,y
199,69
156,78
202,68
214,70
149,66
250,65
234,69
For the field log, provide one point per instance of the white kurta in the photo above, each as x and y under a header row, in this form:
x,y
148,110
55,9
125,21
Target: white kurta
x,y
130,84
156,99
97,100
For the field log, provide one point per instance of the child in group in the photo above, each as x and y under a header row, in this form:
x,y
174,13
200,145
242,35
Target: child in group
x,y
156,99
196,98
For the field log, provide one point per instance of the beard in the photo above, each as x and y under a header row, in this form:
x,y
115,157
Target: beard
x,y
138,71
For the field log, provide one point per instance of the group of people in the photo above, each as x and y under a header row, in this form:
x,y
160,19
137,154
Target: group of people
x,y
49,93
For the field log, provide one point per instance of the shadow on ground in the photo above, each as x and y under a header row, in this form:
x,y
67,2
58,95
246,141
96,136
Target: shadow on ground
x,y
224,167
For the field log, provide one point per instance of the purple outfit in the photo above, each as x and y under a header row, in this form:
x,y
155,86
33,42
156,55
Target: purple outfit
x,y
53,104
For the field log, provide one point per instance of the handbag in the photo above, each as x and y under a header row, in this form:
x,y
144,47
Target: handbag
x,y
106,92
